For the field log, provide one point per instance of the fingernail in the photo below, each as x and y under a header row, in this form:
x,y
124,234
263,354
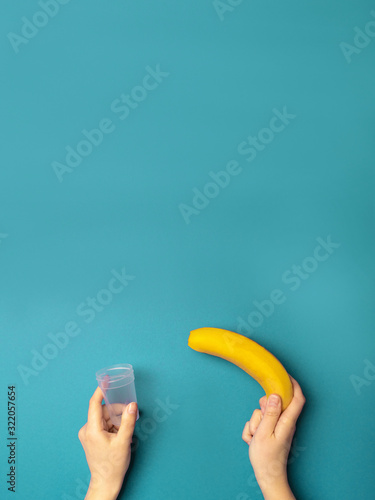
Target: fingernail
x,y
132,408
273,400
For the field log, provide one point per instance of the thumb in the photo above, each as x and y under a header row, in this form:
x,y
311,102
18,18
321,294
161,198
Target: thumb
x,y
128,420
271,416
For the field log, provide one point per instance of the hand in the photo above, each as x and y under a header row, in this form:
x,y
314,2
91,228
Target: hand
x,y
269,434
107,447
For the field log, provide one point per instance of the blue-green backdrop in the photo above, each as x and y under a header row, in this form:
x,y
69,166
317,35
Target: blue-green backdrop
x,y
199,247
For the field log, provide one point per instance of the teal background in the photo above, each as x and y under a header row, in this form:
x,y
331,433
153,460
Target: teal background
x,y
120,208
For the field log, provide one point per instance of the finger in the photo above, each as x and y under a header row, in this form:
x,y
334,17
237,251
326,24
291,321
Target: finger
x,y
289,417
246,435
95,413
116,409
271,416
251,426
108,425
263,403
125,432
255,421
105,413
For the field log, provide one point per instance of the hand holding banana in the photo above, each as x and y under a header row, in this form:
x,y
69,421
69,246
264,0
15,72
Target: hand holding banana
x,y
247,355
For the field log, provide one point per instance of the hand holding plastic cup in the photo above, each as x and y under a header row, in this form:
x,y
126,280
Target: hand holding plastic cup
x,y
117,385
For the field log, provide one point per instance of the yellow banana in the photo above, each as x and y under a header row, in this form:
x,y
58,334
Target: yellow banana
x,y
248,355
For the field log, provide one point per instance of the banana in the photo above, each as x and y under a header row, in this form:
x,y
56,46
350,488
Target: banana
x,y
247,355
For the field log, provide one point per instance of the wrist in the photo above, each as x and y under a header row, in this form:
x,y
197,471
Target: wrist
x,y
277,489
101,492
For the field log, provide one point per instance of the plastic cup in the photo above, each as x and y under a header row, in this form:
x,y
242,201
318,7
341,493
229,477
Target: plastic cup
x,y
117,385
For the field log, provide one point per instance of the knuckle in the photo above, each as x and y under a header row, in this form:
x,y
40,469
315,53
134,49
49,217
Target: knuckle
x,y
246,436
299,395
89,434
286,421
255,414
271,412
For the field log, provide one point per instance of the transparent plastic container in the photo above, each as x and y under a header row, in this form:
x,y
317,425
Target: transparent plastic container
x,y
117,385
